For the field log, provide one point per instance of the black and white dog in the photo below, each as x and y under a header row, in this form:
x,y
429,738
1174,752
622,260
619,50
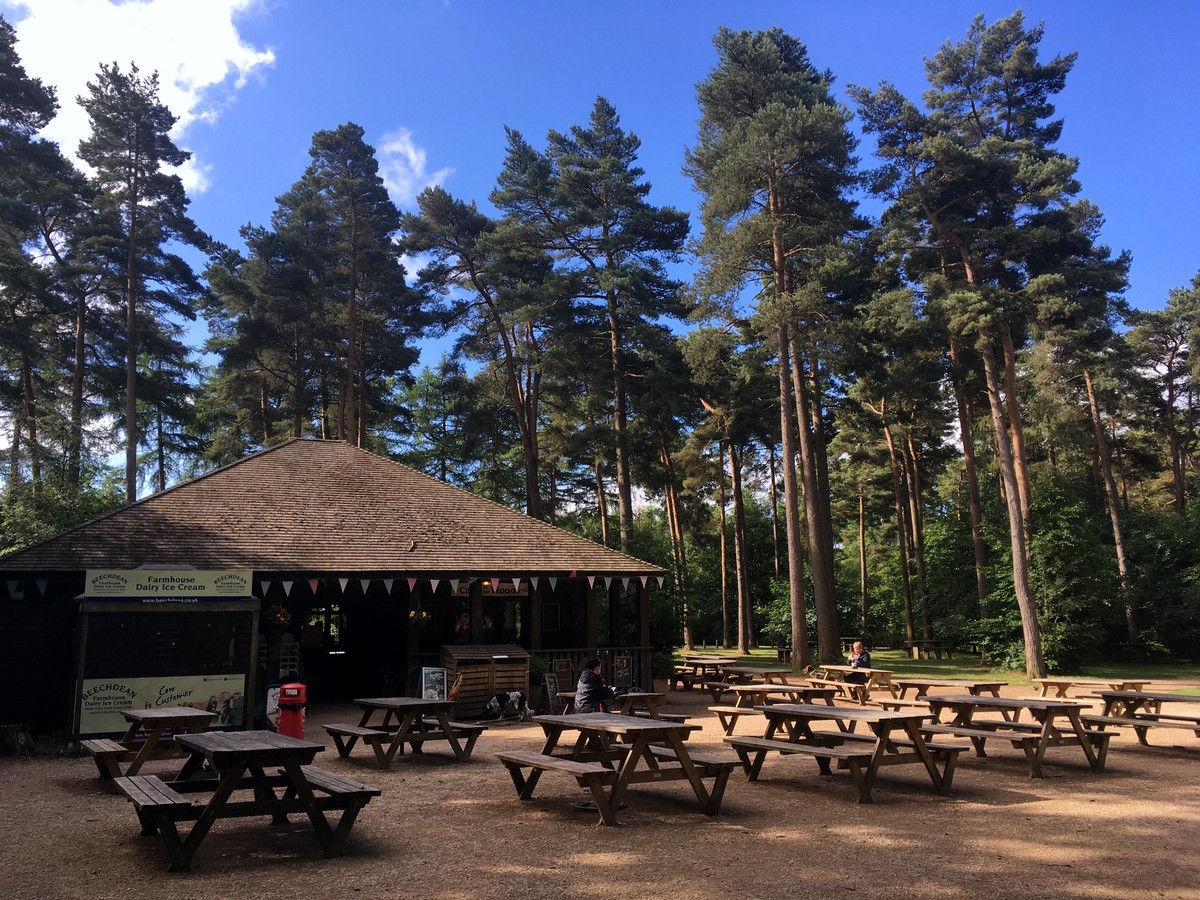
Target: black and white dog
x,y
508,703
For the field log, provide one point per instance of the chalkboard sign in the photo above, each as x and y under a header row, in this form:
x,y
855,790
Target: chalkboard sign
x,y
623,671
550,686
565,673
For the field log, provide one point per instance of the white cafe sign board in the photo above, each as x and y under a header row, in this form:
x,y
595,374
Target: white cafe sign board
x,y
167,584
102,699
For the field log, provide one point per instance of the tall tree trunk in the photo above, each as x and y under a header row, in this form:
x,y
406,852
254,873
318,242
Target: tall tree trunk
x,y
1016,429
901,527
620,422
771,495
601,501
741,563
131,343
675,529
78,365
965,426
31,424
1174,444
725,640
864,597
791,502
160,454
916,529
1114,504
1035,665
820,547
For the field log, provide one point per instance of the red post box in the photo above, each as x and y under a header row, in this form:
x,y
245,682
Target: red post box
x,y
293,698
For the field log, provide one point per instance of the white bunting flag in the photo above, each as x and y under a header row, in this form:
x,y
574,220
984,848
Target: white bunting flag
x,y
287,588
644,579
342,582
264,587
591,581
661,579
625,583
517,585
433,584
553,582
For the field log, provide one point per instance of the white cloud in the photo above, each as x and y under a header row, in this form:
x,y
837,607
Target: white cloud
x,y
402,167
193,45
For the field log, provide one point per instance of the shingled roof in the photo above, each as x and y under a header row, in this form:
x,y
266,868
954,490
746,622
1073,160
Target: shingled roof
x,y
323,506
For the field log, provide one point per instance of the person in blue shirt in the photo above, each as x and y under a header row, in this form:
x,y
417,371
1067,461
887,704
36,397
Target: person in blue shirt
x,y
591,693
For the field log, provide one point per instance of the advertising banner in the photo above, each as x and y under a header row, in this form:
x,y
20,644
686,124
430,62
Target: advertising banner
x,y
167,584
103,699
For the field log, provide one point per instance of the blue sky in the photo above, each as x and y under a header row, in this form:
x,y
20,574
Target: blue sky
x,y
434,82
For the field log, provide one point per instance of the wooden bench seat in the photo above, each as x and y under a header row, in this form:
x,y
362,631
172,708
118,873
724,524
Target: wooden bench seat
x,y
898,702
1018,738
158,807
593,775
665,717
107,753
753,751
375,738
729,715
337,785
1142,723
709,765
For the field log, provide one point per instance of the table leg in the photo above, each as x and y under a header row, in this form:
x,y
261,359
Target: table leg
x,y
709,803
444,721
941,780
298,785
1095,762
147,749
225,787
398,739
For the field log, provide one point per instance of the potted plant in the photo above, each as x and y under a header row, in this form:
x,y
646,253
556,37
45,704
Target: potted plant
x,y
538,666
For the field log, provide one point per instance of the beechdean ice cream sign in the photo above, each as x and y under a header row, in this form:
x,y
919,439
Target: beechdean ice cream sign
x,y
166,584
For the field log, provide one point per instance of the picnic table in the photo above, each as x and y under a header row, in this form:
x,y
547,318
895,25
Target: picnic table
x,y
274,768
920,688
653,750
406,720
748,697
696,669
159,727
895,739
1056,723
1060,686
627,704
1142,710
928,649
875,678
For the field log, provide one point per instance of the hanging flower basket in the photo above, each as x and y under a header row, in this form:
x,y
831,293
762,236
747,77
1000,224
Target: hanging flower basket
x,y
277,618
419,617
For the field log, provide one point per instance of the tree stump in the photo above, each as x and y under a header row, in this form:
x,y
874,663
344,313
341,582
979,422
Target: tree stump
x,y
15,740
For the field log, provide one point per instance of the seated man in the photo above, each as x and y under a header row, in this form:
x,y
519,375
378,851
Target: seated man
x,y
591,693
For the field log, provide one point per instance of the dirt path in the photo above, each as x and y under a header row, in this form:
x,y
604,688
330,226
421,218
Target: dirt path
x,y
443,831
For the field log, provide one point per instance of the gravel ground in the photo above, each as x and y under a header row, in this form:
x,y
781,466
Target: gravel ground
x,y
445,831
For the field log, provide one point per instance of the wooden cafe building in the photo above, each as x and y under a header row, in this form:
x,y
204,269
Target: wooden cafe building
x,y
310,561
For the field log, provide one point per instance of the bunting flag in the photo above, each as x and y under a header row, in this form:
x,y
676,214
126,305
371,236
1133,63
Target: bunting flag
x,y
454,582
264,587
42,584
533,579
412,583
591,581
607,582
364,583
644,579
312,584
342,582
433,584
553,582
287,588
517,585
387,584
661,579
14,589
495,584
625,583
572,575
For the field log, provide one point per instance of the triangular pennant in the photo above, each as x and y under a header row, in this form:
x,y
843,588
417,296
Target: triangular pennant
x,y
553,582
433,585
454,582
364,583
661,579
517,585
591,581
342,582
412,583
607,582
533,579
644,579
287,588
495,584
42,584
312,584
387,584
625,583
264,587
14,588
